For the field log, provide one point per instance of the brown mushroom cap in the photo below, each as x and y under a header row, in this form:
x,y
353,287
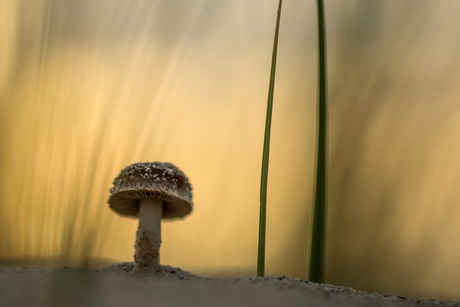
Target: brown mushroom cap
x,y
151,180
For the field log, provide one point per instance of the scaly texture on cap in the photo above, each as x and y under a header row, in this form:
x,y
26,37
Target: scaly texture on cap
x,y
148,180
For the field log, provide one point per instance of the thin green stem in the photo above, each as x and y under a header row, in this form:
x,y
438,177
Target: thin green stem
x,y
318,241
266,151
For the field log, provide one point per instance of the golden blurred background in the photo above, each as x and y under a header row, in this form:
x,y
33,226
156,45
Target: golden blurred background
x,y
88,87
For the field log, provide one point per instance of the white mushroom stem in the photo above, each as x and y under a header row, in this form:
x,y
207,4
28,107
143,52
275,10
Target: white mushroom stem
x,y
148,238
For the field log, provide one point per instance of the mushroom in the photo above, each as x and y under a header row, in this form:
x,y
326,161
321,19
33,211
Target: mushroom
x,y
150,192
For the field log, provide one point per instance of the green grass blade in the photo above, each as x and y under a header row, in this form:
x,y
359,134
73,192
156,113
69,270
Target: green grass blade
x,y
318,240
266,151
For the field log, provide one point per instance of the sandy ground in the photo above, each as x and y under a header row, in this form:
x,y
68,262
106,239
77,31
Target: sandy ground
x,y
120,285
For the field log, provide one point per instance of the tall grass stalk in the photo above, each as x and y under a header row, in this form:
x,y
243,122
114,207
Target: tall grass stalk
x,y
318,240
266,151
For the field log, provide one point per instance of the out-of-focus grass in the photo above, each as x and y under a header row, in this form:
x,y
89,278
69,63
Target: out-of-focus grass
x,y
318,237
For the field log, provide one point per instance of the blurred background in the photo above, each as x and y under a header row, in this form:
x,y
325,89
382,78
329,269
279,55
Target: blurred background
x,y
88,87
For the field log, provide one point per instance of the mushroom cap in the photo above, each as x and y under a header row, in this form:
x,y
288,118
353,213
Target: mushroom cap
x,y
151,180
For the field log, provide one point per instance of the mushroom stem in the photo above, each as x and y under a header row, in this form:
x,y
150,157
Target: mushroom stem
x,y
148,238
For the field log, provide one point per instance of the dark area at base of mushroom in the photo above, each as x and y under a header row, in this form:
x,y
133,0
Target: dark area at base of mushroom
x,y
121,284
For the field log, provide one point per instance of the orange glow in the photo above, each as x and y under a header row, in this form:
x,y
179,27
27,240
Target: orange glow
x,y
87,89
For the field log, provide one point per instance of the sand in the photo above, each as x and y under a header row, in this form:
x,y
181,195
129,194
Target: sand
x,y
120,285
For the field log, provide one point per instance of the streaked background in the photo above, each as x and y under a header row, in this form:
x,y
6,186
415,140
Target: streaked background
x,y
88,87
